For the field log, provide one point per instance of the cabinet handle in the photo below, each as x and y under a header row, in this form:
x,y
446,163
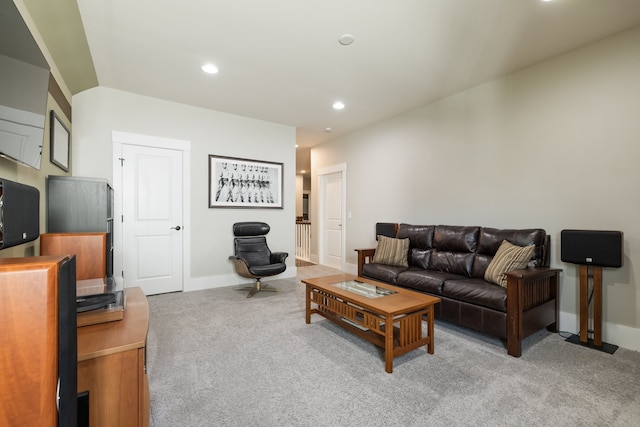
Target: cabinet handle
x,y
177,228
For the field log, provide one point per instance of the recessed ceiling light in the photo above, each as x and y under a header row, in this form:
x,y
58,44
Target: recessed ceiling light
x,y
210,69
303,171
346,39
328,130
338,105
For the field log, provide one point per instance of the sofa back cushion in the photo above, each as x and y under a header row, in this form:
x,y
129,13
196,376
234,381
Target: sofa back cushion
x,y
453,249
420,258
420,236
452,262
420,243
490,239
456,238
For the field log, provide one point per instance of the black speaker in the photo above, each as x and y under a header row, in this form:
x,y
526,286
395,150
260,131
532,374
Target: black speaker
x,y
590,247
387,229
19,213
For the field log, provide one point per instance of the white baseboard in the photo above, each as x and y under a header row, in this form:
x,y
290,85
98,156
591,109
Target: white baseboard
x,y
612,333
222,280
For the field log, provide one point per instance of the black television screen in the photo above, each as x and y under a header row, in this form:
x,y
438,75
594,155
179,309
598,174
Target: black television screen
x,y
24,87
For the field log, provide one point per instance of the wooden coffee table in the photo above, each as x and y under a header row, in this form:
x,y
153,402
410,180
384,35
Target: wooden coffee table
x,y
365,307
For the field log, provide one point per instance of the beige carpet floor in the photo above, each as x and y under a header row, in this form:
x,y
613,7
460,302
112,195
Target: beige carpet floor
x,y
216,358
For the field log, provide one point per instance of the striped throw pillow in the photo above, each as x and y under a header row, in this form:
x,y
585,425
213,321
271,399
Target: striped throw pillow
x,y
509,257
392,251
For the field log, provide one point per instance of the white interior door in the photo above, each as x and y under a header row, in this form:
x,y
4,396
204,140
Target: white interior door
x,y
152,225
333,220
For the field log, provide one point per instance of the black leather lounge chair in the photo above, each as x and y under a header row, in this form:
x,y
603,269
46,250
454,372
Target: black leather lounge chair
x,y
252,258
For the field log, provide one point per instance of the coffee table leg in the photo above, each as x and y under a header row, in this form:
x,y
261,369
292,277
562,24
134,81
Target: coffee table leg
x,y
308,305
388,344
430,317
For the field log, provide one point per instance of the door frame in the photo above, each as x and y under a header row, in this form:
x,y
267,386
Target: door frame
x,y
120,138
322,190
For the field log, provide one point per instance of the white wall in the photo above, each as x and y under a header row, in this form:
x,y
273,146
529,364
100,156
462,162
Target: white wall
x,y
554,146
99,111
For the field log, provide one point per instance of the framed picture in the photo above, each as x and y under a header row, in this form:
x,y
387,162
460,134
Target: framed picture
x,y
60,139
244,183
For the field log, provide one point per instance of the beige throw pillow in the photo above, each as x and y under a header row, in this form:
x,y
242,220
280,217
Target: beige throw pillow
x,y
509,257
392,251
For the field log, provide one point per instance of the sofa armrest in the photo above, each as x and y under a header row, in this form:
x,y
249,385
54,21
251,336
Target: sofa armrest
x,y
532,304
364,256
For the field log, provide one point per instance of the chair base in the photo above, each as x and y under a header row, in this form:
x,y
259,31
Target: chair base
x,y
257,287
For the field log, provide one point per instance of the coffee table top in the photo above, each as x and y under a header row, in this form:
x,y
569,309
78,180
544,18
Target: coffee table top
x,y
396,301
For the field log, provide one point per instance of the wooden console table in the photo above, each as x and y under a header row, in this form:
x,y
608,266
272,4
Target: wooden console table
x,y
112,366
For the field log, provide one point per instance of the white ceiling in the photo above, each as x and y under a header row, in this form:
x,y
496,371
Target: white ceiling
x,y
280,60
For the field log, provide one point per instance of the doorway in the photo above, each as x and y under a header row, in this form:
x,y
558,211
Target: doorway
x,y
152,191
332,227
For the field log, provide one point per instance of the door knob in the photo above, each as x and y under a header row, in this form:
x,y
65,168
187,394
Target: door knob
x,y
177,228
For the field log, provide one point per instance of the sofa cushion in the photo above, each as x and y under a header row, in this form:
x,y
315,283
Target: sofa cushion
x,y
424,280
455,238
476,291
383,272
508,258
391,251
480,264
452,262
419,258
490,240
420,236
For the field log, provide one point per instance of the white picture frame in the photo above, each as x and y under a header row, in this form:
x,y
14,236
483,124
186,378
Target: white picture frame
x,y
244,183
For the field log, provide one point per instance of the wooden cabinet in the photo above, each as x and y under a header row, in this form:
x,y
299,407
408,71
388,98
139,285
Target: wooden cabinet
x,y
76,204
112,366
90,250
38,347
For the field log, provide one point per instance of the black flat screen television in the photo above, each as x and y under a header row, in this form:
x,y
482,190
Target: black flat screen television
x,y
24,88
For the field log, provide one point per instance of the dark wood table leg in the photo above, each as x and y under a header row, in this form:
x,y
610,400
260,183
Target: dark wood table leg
x,y
308,305
430,319
388,344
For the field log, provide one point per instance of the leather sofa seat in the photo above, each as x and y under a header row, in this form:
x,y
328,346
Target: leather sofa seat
x,y
383,272
428,281
477,291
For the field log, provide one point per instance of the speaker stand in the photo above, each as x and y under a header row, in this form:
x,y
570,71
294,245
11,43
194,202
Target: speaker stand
x,y
604,347
595,274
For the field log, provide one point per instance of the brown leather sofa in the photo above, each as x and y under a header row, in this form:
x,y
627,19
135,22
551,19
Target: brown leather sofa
x,y
450,261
